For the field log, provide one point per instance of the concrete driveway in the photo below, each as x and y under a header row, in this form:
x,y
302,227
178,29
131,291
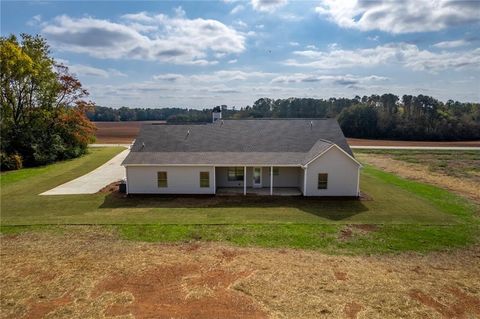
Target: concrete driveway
x,y
94,181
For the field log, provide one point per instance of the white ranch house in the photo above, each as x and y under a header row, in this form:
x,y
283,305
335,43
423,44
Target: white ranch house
x,y
308,157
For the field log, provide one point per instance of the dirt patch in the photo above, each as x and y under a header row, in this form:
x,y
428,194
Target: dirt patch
x,y
458,305
340,275
346,233
180,291
365,197
119,132
366,142
356,229
39,309
366,227
110,188
352,309
98,275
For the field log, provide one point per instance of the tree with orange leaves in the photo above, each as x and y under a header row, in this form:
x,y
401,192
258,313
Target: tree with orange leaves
x,y
43,107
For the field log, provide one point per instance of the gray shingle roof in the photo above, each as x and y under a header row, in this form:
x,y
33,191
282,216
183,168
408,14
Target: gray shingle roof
x,y
260,141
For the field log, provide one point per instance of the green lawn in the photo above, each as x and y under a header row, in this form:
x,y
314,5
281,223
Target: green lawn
x,y
410,215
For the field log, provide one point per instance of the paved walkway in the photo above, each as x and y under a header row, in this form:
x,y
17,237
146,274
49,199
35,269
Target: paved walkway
x,y
109,145
431,148
94,181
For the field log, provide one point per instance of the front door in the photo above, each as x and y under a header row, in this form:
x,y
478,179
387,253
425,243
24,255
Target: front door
x,y
257,177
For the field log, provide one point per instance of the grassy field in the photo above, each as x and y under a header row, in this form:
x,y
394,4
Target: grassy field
x,y
407,215
462,164
456,171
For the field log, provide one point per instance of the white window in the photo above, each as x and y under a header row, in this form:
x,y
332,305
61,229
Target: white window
x,y
162,180
322,181
204,179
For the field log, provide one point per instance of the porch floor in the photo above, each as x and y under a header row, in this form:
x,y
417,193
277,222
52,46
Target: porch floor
x,y
265,191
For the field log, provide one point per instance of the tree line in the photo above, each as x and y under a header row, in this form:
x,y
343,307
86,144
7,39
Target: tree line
x,y
386,116
43,107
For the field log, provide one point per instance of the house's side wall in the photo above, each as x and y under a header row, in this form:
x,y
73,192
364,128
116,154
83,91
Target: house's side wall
x,y
181,180
342,174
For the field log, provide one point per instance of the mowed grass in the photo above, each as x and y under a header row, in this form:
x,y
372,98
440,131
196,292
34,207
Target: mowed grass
x,y
409,215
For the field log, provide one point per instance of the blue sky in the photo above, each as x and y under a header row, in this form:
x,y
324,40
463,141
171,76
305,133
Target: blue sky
x,y
205,53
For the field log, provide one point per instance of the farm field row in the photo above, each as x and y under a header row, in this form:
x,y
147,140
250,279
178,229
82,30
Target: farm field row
x,y
125,133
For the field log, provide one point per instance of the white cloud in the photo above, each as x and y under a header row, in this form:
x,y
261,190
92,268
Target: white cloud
x,y
450,44
407,55
237,9
221,76
333,46
267,5
232,61
347,80
241,24
145,36
294,44
400,16
115,72
169,77
86,70
229,75
179,12
35,20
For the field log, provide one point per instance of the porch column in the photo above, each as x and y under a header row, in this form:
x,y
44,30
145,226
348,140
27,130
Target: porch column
x,y
271,180
244,180
214,181
305,182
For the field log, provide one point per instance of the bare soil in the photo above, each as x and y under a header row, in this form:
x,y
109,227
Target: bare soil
x,y
367,142
119,132
87,272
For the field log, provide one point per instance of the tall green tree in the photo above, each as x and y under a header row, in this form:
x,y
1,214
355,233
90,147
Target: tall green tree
x,y
43,106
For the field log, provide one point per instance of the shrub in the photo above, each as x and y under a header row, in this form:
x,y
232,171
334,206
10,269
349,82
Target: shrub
x,y
10,162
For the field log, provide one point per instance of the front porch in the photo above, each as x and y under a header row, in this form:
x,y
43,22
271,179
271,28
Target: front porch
x,y
264,191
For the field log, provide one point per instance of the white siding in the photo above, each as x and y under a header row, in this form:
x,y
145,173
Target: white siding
x,y
342,174
181,180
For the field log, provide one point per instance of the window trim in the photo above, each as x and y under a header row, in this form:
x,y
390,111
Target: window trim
x,y
160,180
205,180
322,181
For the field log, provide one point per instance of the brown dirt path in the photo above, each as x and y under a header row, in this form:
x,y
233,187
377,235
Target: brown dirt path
x,y
88,272
366,142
